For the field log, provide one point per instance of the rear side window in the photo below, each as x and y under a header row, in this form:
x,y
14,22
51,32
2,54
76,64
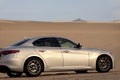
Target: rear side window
x,y
20,42
46,42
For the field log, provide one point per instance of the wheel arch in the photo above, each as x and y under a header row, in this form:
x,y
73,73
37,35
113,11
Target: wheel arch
x,y
37,58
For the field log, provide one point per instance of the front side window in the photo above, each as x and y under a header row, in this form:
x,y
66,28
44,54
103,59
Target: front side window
x,y
65,43
46,42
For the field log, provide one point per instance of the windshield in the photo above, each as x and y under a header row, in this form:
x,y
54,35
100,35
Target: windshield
x,y
20,42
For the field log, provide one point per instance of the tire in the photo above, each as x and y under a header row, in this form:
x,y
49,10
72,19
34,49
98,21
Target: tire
x,y
33,67
104,63
81,71
14,74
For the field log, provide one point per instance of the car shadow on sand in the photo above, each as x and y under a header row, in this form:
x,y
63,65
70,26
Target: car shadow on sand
x,y
52,74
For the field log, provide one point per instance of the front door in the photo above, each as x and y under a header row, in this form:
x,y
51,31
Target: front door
x,y
73,57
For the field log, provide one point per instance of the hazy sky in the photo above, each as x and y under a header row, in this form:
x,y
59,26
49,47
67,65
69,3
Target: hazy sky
x,y
56,10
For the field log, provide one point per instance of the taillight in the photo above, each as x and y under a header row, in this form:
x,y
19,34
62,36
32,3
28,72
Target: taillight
x,y
9,52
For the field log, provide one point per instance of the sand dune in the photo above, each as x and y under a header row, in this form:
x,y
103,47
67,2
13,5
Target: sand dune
x,y
99,35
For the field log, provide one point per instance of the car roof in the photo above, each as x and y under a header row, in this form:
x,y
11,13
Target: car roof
x,y
46,37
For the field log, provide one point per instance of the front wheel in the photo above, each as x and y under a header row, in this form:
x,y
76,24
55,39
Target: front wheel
x,y
104,63
14,74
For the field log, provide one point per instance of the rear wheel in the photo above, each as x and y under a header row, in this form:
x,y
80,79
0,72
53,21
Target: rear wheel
x,y
33,67
81,71
14,74
104,63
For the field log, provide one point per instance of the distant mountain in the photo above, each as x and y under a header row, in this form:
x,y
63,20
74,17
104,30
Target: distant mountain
x,y
117,21
79,20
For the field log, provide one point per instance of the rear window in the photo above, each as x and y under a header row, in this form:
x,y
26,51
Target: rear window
x,y
20,42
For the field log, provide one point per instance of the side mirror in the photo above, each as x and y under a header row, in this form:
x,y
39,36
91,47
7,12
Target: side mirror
x,y
79,45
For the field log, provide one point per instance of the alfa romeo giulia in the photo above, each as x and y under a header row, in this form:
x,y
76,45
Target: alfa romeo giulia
x,y
35,55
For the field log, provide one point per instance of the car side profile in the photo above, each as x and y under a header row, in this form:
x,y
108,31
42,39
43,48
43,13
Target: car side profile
x,y
33,56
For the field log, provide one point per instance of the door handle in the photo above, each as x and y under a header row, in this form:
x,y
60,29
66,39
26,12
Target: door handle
x,y
65,51
42,51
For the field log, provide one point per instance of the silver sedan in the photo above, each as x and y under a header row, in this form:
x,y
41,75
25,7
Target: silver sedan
x,y
35,55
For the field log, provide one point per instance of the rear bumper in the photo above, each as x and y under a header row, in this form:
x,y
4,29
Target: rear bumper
x,y
11,65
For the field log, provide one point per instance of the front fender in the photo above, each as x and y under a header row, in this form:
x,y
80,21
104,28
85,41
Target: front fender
x,y
94,56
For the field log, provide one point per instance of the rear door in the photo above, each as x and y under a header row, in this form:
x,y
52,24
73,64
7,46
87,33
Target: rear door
x,y
49,49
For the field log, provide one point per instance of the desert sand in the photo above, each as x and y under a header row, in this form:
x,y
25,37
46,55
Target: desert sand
x,y
103,35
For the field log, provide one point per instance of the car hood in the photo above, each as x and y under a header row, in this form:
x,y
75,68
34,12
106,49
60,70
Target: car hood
x,y
95,50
